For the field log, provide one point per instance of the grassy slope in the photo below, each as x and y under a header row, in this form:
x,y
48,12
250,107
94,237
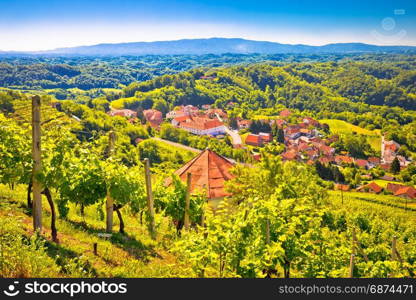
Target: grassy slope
x,y
131,255
339,126
388,202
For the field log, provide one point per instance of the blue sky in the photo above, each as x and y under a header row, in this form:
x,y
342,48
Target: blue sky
x,y
48,24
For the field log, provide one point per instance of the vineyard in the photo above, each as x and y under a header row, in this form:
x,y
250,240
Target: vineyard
x,y
90,198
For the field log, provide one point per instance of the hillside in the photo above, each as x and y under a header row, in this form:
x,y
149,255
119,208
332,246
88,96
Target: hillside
x,y
217,46
342,127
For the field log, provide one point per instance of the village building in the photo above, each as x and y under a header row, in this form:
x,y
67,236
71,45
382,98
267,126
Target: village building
x,y
370,188
214,112
181,111
342,187
362,163
209,172
285,113
373,161
326,159
280,123
127,113
244,124
406,192
394,187
289,155
200,125
258,140
154,117
311,122
388,178
344,159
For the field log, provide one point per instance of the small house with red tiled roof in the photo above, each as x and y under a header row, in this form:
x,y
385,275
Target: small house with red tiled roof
x,y
326,159
342,187
244,124
375,161
344,159
388,178
362,163
385,166
324,149
177,120
202,126
280,123
285,113
209,172
289,155
254,140
266,137
372,187
311,122
407,192
128,113
154,117
393,187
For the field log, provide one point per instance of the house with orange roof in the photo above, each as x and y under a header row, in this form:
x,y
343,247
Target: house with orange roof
x,y
407,192
213,112
181,111
280,123
202,126
342,187
372,187
344,159
254,140
311,122
394,187
244,124
289,155
285,113
209,172
154,117
177,120
128,113
327,159
373,161
266,137
362,163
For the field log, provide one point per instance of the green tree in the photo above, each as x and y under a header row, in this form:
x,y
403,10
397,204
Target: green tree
x,y
395,166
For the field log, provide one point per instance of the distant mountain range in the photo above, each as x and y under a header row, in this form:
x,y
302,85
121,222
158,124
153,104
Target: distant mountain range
x,y
214,46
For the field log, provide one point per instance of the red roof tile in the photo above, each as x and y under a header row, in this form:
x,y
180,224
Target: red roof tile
x,y
254,140
209,171
371,186
285,113
408,191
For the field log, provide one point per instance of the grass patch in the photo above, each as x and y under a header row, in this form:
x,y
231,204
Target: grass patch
x,y
133,254
342,127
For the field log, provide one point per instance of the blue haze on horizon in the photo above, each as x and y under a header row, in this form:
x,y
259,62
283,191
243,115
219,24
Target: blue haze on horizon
x,y
39,25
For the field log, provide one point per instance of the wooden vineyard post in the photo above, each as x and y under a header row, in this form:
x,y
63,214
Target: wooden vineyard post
x,y
395,255
268,231
110,203
37,164
150,208
95,246
187,200
358,246
351,275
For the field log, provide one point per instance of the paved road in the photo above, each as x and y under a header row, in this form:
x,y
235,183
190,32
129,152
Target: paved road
x,y
236,138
